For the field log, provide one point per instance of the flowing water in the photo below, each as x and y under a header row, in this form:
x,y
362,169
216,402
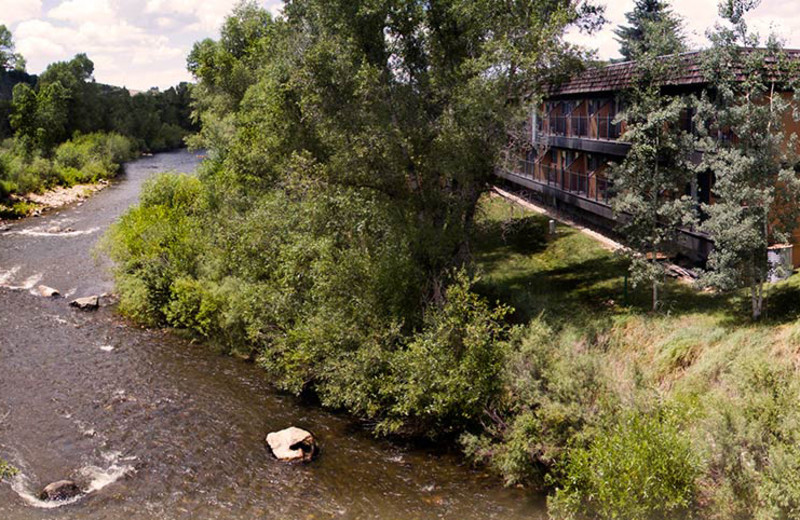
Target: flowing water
x,y
154,426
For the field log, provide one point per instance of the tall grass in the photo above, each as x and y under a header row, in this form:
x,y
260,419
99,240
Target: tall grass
x,y
621,413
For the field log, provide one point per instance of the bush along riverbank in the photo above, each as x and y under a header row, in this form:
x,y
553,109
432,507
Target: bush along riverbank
x,y
84,159
613,411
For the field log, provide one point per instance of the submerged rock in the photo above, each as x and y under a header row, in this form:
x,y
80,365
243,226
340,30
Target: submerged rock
x,y
48,292
61,490
89,303
293,444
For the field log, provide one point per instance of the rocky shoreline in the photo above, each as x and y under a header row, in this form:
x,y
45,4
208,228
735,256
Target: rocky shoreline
x,y
58,197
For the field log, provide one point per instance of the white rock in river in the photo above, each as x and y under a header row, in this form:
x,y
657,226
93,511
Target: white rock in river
x,y
293,444
86,304
48,292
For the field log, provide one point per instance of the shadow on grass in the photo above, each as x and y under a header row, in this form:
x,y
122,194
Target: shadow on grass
x,y
569,277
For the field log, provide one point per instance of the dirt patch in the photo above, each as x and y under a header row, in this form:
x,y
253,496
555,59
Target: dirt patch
x,y
62,196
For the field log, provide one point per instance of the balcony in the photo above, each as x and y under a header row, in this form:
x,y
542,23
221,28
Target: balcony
x,y
591,134
588,186
584,127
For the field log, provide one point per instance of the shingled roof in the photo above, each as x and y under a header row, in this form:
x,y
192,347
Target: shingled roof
x,y
618,76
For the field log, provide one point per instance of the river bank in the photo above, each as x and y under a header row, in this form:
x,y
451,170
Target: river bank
x,y
691,410
38,203
161,427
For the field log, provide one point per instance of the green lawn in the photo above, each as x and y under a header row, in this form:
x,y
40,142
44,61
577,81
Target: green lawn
x,y
567,276
572,278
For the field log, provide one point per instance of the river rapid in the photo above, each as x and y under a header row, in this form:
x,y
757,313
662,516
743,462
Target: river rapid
x,y
158,427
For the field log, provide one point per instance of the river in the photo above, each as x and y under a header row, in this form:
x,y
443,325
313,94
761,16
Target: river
x,y
158,427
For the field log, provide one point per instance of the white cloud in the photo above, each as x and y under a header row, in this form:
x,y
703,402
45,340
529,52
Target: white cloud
x,y
35,46
82,11
14,11
700,15
165,22
208,14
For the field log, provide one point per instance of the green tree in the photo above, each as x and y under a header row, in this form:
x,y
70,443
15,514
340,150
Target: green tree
x,y
750,152
84,106
653,29
51,115
40,118
650,183
9,60
23,114
333,225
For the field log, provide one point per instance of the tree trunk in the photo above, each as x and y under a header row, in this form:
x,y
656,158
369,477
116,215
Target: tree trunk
x,y
757,298
655,295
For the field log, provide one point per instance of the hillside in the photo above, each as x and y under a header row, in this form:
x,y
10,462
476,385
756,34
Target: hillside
x,y
693,409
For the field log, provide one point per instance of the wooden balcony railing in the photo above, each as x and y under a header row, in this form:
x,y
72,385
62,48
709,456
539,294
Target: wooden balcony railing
x,y
586,184
585,127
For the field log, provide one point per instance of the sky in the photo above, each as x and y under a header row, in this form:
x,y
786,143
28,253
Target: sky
x,y
143,43
779,16
138,44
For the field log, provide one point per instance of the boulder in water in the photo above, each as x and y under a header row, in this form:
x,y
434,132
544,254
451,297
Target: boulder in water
x,y
89,303
61,490
48,292
293,444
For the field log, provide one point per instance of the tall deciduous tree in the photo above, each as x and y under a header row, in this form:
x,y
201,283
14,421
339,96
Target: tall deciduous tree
x,y
23,114
39,118
653,29
650,184
408,99
84,106
343,190
750,152
9,60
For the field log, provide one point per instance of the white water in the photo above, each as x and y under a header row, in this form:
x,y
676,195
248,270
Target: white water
x,y
41,232
90,478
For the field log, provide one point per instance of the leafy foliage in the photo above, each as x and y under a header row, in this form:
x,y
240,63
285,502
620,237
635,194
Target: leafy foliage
x,y
329,235
639,469
756,181
66,103
86,158
649,184
9,60
551,397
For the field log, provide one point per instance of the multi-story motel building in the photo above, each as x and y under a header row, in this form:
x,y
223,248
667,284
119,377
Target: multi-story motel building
x,y
575,135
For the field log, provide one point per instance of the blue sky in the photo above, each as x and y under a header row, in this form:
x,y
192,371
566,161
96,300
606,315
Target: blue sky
x,y
144,43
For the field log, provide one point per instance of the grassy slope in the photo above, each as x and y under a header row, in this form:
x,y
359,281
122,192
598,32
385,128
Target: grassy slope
x,y
573,281
736,381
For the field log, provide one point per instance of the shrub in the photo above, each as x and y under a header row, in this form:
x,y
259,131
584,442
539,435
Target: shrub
x,y
194,306
6,470
70,155
154,244
640,468
552,393
779,492
450,371
85,158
